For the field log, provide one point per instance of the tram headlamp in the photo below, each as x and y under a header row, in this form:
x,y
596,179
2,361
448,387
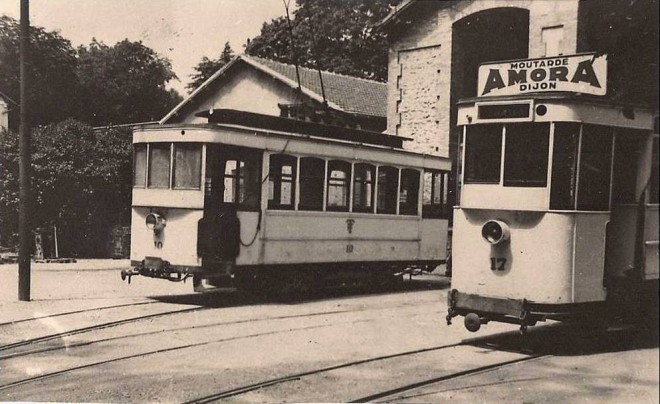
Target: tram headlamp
x,y
495,231
155,222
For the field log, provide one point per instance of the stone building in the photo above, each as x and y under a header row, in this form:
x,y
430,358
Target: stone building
x,y
436,48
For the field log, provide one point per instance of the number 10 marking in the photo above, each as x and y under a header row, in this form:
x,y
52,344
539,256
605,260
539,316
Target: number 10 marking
x,y
497,264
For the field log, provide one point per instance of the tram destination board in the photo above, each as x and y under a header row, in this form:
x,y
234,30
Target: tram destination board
x,y
504,111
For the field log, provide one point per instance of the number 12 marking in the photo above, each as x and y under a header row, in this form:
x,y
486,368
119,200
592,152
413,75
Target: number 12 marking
x,y
497,264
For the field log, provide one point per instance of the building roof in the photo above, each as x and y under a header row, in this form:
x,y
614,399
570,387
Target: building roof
x,y
343,93
7,98
394,12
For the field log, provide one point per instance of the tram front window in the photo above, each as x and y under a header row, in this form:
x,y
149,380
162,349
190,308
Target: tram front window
x,y
159,165
187,165
483,153
581,167
526,155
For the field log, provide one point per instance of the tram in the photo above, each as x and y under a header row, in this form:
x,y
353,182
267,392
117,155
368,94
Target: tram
x,y
268,203
558,211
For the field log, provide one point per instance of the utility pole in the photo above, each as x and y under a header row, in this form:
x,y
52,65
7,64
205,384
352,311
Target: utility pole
x,y
25,239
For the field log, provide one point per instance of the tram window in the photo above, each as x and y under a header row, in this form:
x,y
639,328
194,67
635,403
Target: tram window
x,y
388,181
409,192
242,182
187,165
139,165
595,168
627,154
483,153
363,187
312,176
526,155
434,202
159,165
653,186
339,177
564,166
282,181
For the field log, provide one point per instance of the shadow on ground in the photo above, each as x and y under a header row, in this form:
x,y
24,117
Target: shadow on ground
x,y
232,298
571,340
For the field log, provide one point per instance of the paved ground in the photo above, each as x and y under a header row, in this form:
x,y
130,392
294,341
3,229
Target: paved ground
x,y
88,337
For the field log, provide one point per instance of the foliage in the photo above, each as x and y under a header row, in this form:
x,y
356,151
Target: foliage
x,y
81,184
329,35
53,94
124,83
207,67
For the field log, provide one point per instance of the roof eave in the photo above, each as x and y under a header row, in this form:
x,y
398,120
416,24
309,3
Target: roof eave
x,y
394,13
199,89
311,94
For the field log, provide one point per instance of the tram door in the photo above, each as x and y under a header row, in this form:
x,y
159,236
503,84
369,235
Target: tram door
x,y
651,237
219,228
632,235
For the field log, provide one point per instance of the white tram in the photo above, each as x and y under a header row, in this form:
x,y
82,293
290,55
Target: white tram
x,y
558,211
264,202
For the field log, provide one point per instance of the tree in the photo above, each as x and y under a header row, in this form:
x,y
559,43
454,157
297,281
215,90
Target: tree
x,y
124,83
81,183
207,67
53,94
329,35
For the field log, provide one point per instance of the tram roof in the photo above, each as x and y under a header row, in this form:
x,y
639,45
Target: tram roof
x,y
556,96
275,123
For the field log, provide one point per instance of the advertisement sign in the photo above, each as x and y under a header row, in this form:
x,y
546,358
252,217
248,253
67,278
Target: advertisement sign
x,y
584,73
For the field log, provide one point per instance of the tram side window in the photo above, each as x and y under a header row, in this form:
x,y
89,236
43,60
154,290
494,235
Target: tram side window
x,y
628,148
312,176
595,168
434,202
483,153
339,177
242,182
139,165
409,192
159,165
187,165
526,155
363,187
564,166
388,181
653,186
282,181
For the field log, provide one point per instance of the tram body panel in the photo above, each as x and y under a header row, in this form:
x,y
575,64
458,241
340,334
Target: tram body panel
x,y
176,243
433,235
324,237
543,274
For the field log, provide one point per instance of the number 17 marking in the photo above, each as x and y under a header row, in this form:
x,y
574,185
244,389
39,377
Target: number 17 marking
x,y
497,264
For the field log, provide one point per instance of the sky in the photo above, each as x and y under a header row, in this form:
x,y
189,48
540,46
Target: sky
x,y
181,30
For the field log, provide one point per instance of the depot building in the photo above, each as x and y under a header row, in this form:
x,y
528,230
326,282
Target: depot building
x,y
444,51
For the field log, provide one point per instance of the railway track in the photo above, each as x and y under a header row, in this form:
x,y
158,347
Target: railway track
x,y
159,332
68,313
96,327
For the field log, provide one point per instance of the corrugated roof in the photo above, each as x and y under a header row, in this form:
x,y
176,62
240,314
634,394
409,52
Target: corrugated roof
x,y
351,94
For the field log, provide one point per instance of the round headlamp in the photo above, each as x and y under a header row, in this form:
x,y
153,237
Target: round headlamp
x,y
155,222
495,232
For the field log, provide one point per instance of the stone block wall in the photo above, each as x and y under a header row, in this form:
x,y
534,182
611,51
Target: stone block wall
x,y
420,62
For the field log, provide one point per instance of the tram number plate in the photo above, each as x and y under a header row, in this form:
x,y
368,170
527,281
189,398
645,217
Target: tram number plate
x,y
349,248
497,264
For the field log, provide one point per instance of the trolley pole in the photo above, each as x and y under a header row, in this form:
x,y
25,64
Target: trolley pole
x,y
25,239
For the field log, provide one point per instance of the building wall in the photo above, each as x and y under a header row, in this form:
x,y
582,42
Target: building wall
x,y
420,60
4,115
245,90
